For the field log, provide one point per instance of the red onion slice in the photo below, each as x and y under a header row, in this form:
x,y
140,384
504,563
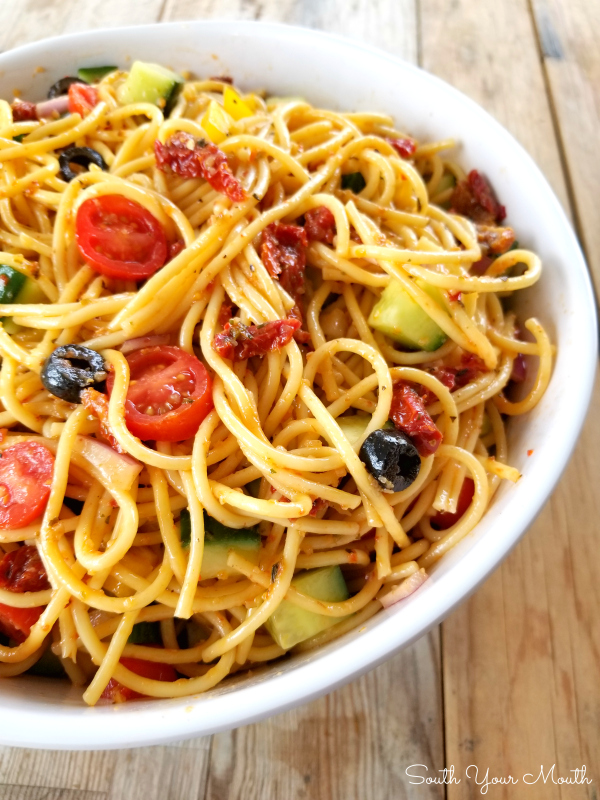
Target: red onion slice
x,y
117,470
144,341
404,589
58,105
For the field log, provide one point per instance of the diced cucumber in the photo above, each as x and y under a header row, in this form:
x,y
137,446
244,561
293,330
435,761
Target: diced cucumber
x,y
27,291
48,666
354,181
145,633
253,488
11,283
93,74
150,83
290,624
218,541
401,318
354,427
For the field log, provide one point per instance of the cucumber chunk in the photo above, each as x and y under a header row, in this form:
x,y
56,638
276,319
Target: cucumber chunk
x,y
11,283
290,624
401,318
145,633
218,541
27,291
150,83
93,74
354,427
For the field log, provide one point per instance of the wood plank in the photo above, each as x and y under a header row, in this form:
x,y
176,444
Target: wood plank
x,y
57,770
390,25
160,773
568,34
41,793
30,20
350,745
510,653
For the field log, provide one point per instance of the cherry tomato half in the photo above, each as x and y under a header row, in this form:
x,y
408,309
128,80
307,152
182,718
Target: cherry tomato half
x,y
120,238
444,519
18,622
117,693
82,98
169,395
26,470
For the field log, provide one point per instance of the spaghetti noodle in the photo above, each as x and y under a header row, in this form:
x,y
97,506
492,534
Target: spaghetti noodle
x,y
268,235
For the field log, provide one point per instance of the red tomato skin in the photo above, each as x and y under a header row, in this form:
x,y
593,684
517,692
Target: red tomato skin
x,y
239,342
119,238
117,693
26,470
82,98
319,224
152,384
443,519
18,622
22,570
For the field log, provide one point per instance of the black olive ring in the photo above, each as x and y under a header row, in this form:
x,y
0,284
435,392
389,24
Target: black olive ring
x,y
72,368
62,86
391,458
84,156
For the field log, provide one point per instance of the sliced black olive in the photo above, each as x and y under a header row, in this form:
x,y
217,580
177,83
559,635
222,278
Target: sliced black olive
x,y
84,156
62,86
391,458
72,368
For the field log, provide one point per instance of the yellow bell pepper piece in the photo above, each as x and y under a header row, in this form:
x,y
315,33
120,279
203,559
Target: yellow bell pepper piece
x,y
234,105
216,122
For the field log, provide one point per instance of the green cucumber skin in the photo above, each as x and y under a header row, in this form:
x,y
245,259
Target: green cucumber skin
x,y
289,624
12,282
94,74
218,541
149,83
401,318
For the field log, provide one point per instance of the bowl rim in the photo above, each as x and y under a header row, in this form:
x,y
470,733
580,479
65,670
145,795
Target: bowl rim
x,y
77,727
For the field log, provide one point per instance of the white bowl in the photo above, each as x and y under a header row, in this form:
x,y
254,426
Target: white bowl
x,y
344,75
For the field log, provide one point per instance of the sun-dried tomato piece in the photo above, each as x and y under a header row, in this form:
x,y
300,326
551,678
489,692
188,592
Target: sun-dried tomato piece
x,y
474,198
23,111
238,341
283,252
404,147
225,312
97,403
192,158
409,415
495,238
320,225
22,570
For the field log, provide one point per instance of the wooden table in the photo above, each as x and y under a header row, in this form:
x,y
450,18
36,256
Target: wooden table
x,y
511,681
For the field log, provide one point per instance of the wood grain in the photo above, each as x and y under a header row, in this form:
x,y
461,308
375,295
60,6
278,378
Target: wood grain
x,y
569,35
351,745
511,653
388,24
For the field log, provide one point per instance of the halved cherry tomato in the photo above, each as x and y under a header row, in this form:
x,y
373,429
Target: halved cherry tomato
x,y
117,693
120,238
26,470
169,395
82,98
443,519
18,622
